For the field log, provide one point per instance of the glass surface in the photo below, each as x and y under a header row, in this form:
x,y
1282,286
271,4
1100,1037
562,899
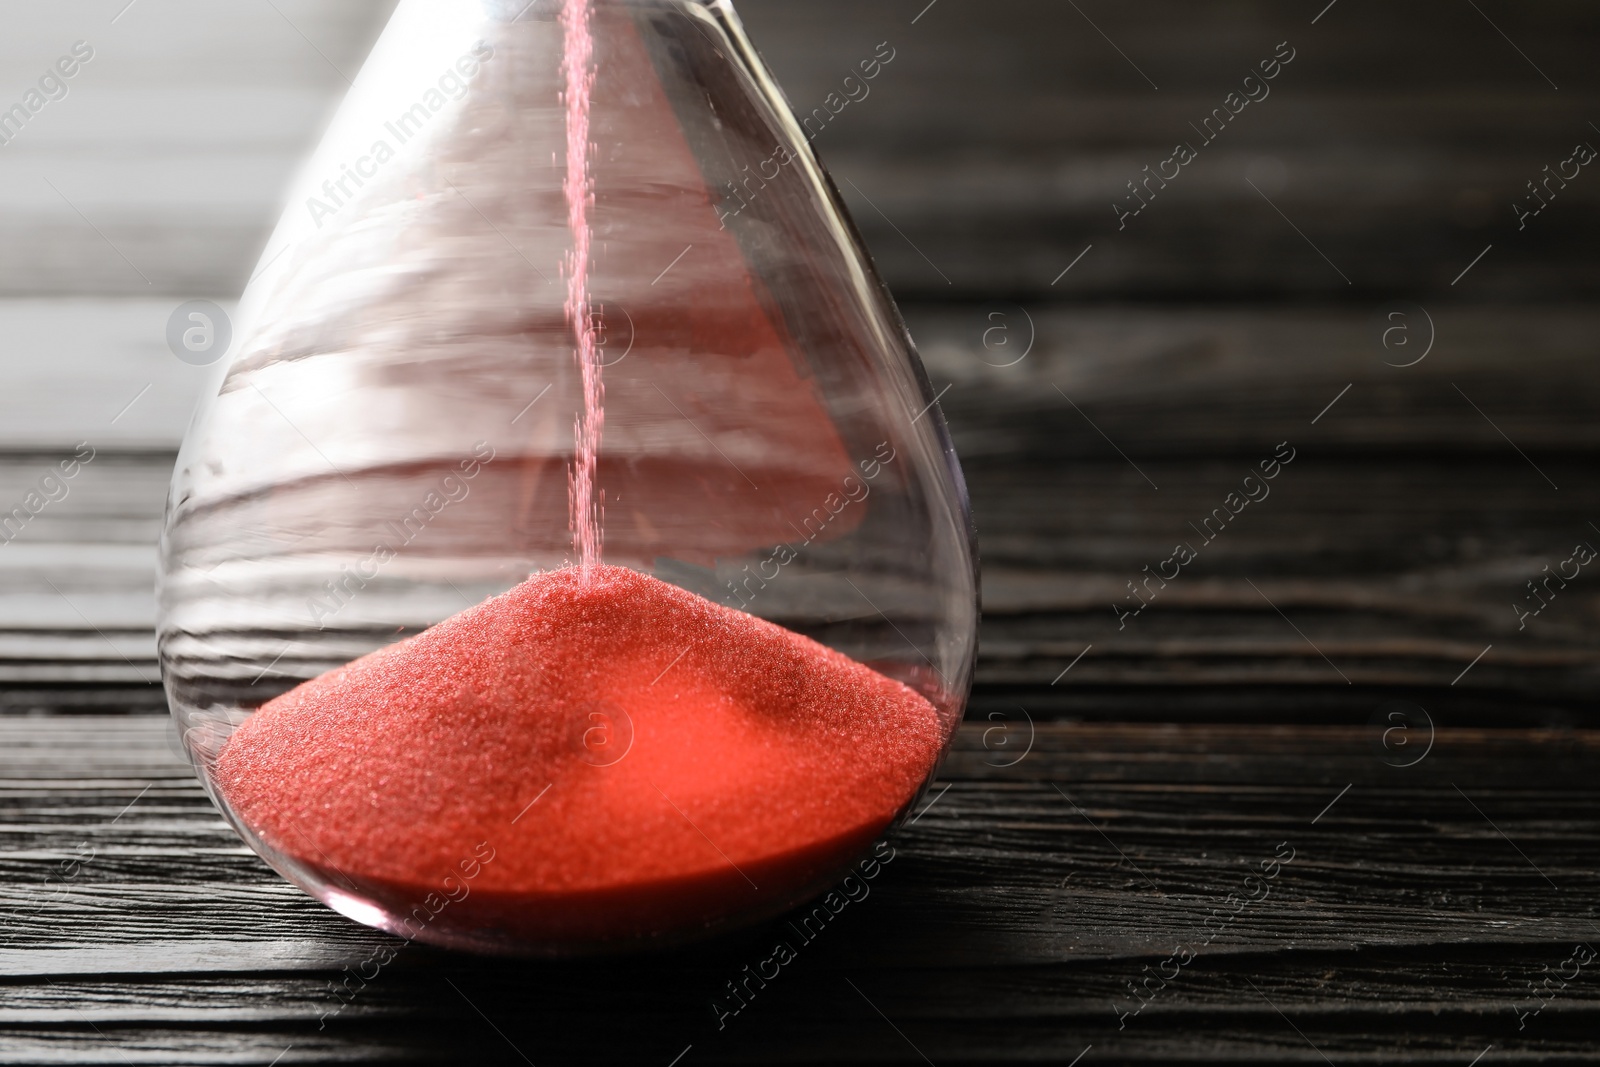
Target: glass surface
x,y
396,441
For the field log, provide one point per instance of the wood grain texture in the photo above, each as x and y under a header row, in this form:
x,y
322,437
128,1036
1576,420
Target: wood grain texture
x,y
1023,898
990,152
161,170
987,155
1091,821
1396,545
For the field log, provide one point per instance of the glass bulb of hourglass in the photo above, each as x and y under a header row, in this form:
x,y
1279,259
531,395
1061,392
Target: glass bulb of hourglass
x,y
569,557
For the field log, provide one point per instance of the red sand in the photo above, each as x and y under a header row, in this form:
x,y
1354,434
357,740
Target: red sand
x,y
757,756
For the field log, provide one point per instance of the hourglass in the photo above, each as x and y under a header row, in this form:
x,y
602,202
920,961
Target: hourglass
x,y
571,557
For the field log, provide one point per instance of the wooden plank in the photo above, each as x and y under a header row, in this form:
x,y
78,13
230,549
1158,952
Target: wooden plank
x,y
109,379
1007,927
1171,378
989,153
170,152
999,175
1398,541
1203,791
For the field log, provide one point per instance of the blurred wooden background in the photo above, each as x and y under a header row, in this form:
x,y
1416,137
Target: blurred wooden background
x,y
1244,306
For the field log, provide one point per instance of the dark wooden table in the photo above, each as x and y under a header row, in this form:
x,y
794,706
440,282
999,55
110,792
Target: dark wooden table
x,y
1322,801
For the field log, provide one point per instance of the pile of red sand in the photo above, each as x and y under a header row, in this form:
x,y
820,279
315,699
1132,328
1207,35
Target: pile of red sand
x,y
759,764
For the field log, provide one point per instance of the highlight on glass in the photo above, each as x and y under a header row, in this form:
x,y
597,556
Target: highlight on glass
x,y
570,557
